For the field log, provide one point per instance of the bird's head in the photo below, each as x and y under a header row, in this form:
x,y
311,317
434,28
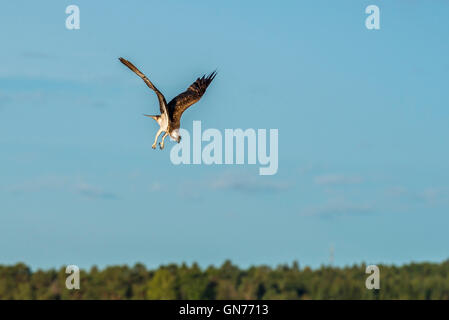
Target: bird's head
x,y
175,136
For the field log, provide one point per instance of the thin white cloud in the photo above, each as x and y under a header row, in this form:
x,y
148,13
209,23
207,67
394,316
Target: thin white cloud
x,y
228,181
336,208
94,192
396,191
337,179
246,183
38,184
58,183
430,196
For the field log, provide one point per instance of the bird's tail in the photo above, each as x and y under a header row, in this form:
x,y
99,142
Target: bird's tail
x,y
156,118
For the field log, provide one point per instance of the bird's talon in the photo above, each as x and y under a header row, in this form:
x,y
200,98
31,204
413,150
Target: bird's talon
x,y
153,146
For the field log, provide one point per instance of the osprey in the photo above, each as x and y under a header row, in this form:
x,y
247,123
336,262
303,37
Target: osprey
x,y
170,118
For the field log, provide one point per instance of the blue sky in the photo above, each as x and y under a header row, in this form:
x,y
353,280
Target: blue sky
x,y
362,118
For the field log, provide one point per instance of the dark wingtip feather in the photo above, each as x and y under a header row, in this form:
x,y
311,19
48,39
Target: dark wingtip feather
x,y
124,61
211,76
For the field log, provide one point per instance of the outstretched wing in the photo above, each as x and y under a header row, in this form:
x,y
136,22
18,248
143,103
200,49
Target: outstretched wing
x,y
184,100
160,96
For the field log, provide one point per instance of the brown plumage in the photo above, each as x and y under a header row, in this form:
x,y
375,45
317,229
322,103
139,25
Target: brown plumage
x,y
170,118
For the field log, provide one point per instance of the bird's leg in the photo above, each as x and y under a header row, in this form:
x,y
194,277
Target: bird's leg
x,y
161,144
155,138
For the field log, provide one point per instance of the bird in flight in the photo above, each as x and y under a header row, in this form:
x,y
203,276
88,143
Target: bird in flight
x,y
170,118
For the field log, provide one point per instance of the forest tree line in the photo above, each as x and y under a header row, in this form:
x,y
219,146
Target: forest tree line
x,y
411,281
